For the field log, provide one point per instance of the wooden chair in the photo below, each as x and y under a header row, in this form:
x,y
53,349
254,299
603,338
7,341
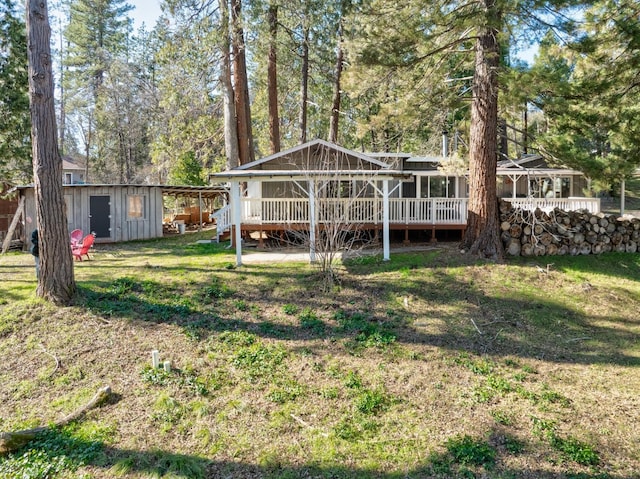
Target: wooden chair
x,y
83,249
76,238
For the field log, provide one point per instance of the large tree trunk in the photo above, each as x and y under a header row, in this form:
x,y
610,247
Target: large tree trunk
x,y
229,112
335,104
304,86
272,80
482,236
56,282
241,86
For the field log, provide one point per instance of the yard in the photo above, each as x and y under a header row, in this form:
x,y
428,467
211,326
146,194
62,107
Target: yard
x,y
429,365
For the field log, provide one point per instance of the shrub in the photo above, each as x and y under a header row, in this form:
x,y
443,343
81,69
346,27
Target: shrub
x,y
466,450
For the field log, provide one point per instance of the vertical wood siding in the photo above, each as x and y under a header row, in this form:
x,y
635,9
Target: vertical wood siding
x,y
123,228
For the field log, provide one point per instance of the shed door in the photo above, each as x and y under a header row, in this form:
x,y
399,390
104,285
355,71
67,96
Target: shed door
x,y
100,216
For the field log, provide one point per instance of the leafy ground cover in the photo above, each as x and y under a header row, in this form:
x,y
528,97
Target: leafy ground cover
x,y
429,365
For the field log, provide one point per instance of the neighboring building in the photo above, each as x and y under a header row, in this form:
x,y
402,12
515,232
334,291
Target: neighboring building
x,y
73,173
8,208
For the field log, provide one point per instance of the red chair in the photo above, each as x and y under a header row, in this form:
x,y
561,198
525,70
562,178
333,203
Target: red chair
x,y
76,238
83,249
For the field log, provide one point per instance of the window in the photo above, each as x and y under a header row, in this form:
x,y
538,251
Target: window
x,y
68,179
135,207
437,187
562,187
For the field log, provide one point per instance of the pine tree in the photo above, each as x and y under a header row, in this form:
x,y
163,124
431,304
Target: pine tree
x,y
97,35
594,116
56,281
435,33
15,124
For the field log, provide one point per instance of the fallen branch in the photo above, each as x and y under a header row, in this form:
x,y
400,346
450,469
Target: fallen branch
x,y
475,326
11,441
573,340
306,424
53,357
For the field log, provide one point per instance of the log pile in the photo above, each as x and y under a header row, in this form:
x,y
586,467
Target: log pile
x,y
537,233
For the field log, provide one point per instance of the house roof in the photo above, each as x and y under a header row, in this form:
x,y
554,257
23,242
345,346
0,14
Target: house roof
x,y
297,152
526,161
276,175
69,163
425,159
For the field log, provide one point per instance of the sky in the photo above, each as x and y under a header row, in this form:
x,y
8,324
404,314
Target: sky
x,y
146,11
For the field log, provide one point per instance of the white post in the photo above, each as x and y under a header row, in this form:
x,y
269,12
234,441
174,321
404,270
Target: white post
x,y
445,144
312,222
200,210
622,196
385,220
155,359
236,211
514,188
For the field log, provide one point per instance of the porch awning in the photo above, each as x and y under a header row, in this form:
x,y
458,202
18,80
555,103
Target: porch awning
x,y
279,175
193,191
550,172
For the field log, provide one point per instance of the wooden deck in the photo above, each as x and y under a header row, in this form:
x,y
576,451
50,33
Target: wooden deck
x,y
276,215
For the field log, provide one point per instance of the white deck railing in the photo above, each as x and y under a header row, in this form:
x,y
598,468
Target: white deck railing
x,y
548,204
355,211
222,218
407,211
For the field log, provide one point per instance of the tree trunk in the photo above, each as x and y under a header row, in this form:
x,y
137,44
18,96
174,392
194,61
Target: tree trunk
x,y
304,86
241,86
87,150
272,80
229,112
504,138
335,104
63,117
56,282
482,236
525,139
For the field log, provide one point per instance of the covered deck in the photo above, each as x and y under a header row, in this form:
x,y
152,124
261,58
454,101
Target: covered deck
x,y
273,215
404,214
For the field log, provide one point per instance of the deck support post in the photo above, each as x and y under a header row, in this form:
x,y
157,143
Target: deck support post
x,y
385,220
237,220
312,222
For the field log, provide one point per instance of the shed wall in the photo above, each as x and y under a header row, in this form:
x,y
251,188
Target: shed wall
x,y
123,227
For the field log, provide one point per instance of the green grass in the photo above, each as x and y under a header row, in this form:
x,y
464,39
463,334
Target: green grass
x,y
428,365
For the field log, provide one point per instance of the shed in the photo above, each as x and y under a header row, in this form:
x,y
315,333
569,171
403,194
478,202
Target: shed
x,y
8,209
116,213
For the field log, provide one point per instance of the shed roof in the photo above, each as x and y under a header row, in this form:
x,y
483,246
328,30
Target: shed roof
x,y
168,190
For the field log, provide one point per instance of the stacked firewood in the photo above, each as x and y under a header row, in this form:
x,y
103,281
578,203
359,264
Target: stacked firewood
x,y
537,233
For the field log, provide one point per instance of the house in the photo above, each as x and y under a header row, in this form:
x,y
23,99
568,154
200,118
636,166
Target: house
x,y
314,185
117,213
73,173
